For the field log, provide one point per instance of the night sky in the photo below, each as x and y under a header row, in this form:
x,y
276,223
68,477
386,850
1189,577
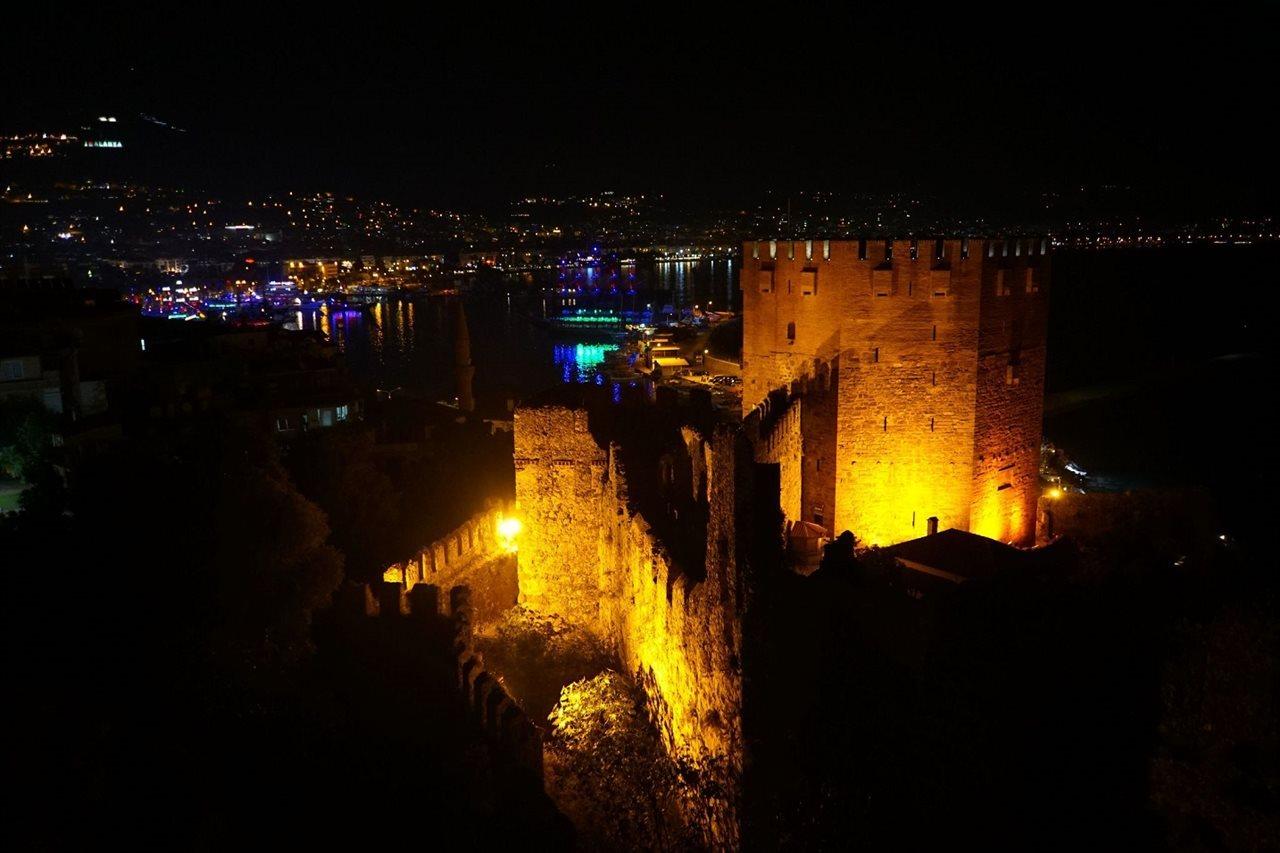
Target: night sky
x,y
478,109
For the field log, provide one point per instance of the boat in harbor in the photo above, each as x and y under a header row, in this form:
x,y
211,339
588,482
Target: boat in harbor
x,y
585,322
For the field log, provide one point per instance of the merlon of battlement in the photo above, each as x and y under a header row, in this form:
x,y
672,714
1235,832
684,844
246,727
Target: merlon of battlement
x,y
882,249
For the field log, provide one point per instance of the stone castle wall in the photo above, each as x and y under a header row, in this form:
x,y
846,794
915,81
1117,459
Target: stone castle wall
x,y
560,476
1010,398
776,424
926,415
820,445
504,722
588,555
795,428
471,554
907,385
511,736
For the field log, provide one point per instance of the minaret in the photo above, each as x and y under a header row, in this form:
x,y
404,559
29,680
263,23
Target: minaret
x,y
463,370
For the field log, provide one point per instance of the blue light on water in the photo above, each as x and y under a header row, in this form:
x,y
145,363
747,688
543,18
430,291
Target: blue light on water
x,y
581,356
580,365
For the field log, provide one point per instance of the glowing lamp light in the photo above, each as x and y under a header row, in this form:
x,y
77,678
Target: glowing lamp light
x,y
509,528
1053,494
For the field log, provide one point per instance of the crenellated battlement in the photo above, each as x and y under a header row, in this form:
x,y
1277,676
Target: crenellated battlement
x,y
933,251
512,737
473,554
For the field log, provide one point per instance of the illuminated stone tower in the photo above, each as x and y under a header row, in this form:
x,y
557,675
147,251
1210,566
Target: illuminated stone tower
x,y
917,367
463,369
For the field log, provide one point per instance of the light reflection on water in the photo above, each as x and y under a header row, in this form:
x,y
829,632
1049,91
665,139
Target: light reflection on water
x,y
584,363
407,342
673,286
582,356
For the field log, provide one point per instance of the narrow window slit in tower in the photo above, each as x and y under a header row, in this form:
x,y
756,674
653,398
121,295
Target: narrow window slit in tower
x,y
930,424
935,333
809,281
886,424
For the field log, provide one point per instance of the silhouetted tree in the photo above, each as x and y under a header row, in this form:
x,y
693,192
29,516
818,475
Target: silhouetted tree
x,y
26,454
337,470
222,552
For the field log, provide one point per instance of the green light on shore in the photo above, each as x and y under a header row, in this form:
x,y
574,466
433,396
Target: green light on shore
x,y
591,319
